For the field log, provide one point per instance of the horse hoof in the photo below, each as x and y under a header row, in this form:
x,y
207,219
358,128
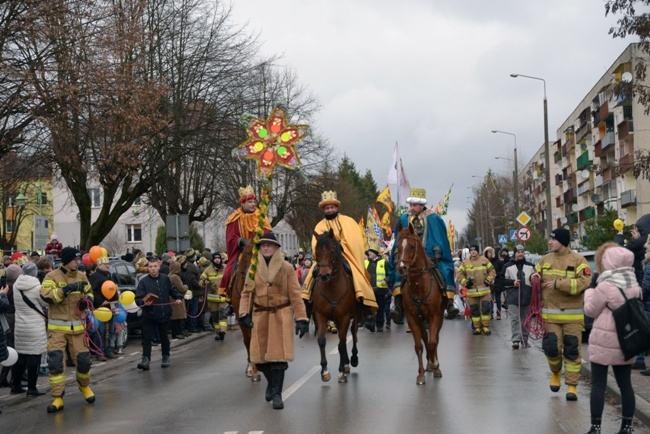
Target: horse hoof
x,y
343,378
421,381
437,373
354,362
346,369
256,378
325,376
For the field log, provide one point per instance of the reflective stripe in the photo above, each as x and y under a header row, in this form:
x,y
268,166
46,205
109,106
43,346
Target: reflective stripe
x,y
216,298
65,328
62,322
554,361
478,292
56,379
562,311
576,317
82,375
571,367
574,286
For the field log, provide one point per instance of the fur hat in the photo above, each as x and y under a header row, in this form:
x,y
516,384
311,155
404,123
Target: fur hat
x,y
69,254
328,198
12,272
562,235
417,196
269,238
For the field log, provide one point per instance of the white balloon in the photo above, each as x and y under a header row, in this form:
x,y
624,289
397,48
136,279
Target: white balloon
x,y
132,308
13,358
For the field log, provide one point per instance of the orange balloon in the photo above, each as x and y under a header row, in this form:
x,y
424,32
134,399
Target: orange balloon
x,y
109,288
95,253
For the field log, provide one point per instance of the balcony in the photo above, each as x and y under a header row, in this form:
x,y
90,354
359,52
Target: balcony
x,y
570,195
626,163
607,140
628,198
598,149
559,202
573,219
583,161
584,188
604,110
582,131
557,157
596,115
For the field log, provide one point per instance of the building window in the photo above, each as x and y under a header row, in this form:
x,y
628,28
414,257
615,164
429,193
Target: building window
x,y
10,224
133,233
43,198
94,197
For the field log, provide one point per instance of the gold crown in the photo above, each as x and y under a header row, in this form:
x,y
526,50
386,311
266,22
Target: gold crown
x,y
328,198
246,193
417,195
103,260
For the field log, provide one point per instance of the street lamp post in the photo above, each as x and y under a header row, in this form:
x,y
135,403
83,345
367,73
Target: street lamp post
x,y
516,178
547,151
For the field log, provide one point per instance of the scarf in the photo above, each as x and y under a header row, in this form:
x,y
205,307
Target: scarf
x,y
623,277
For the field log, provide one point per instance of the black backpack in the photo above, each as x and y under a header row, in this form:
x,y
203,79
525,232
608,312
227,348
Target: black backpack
x,y
632,326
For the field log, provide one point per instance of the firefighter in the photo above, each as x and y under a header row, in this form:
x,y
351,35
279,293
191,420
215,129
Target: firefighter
x,y
477,275
564,276
69,294
217,303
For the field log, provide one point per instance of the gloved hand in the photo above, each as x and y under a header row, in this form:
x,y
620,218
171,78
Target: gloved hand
x,y
76,286
469,284
83,304
302,327
487,282
228,310
246,321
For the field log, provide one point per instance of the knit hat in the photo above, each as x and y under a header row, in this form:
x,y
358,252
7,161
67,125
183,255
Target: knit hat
x,y
376,252
216,255
12,272
269,238
562,236
165,257
30,269
54,236
328,198
474,246
519,247
35,255
69,254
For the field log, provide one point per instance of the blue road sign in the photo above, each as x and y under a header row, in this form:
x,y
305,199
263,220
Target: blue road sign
x,y
513,235
503,239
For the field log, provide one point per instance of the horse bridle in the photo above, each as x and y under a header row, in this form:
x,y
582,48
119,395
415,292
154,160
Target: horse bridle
x,y
336,254
409,268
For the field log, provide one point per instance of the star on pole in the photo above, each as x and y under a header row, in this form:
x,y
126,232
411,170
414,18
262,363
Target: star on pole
x,y
272,142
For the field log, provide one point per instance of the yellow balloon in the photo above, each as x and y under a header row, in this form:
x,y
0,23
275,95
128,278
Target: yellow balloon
x,y
127,298
104,252
619,225
103,314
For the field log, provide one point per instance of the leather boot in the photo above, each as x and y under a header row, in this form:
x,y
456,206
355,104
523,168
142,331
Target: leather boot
x,y
397,313
144,364
264,369
626,426
595,429
452,310
277,375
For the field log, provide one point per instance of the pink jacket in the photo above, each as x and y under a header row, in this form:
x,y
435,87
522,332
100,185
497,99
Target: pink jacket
x,y
604,348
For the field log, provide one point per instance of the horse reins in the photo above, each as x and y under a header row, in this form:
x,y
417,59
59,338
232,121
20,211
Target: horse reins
x,y
330,276
417,271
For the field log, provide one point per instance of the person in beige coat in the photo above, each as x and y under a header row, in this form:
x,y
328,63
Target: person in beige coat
x,y
275,297
179,314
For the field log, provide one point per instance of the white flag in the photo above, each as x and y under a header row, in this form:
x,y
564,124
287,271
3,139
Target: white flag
x,y
393,171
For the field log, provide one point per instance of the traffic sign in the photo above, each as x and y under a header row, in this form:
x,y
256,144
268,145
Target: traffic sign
x,y
524,234
523,218
513,235
503,239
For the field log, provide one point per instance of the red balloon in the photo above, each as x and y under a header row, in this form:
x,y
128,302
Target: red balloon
x,y
86,259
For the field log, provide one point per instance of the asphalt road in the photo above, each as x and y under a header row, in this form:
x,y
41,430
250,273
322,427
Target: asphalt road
x,y
486,388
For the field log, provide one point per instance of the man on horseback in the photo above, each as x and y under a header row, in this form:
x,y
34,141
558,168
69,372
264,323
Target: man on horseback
x,y
433,233
241,224
347,232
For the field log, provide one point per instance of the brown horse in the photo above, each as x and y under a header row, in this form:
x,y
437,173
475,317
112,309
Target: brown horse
x,y
422,299
240,274
334,299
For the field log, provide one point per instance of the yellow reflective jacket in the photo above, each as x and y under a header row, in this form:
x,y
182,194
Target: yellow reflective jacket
x,y
380,273
480,269
62,313
571,275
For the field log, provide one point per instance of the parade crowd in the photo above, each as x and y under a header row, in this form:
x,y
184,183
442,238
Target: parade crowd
x,y
46,312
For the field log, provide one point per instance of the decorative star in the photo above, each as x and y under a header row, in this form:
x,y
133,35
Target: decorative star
x,y
272,142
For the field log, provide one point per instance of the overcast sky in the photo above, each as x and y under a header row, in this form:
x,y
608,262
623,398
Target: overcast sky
x,y
434,76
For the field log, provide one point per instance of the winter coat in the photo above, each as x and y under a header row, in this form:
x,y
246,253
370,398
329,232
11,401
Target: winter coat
x,y
499,266
275,285
178,310
521,270
30,333
161,286
4,307
604,347
96,281
636,246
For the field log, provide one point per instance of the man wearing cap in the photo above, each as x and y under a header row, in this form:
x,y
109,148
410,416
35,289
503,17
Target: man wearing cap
x,y
564,276
433,233
68,294
211,277
241,224
376,266
54,247
347,231
477,275
519,290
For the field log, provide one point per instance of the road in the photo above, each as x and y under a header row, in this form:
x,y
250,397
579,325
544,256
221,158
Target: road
x,y
486,387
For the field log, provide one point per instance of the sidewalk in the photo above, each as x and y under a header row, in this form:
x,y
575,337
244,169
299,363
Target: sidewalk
x,y
640,383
